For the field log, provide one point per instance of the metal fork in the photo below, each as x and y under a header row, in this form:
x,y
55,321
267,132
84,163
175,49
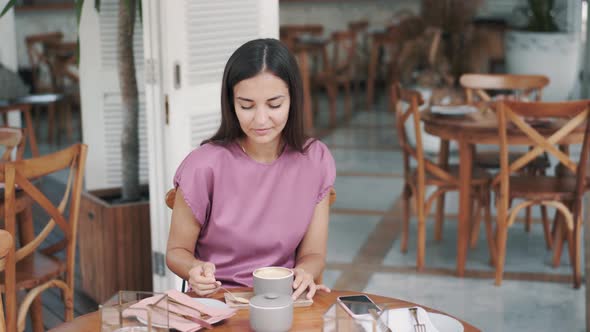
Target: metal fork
x,y
417,327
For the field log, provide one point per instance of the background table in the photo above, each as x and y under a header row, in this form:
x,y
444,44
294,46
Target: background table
x,y
304,319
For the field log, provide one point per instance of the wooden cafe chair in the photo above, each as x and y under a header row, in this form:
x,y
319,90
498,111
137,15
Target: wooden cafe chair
x,y
360,61
6,244
563,124
478,88
337,71
35,269
427,173
171,196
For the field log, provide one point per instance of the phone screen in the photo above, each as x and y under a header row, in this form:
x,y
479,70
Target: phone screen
x,y
358,304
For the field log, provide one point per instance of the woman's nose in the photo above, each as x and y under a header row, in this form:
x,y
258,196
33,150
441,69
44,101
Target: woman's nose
x,y
261,115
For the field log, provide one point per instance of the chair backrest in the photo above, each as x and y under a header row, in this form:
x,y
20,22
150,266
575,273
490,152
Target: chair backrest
x,y
476,85
564,118
13,140
37,58
424,165
62,57
17,177
290,33
343,51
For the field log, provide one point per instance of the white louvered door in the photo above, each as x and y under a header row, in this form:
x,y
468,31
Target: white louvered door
x,y
188,42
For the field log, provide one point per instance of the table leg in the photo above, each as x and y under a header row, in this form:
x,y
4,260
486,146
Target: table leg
x,y
31,132
372,74
465,168
443,161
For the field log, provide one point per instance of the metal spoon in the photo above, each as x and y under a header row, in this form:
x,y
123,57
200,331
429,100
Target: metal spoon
x,y
235,298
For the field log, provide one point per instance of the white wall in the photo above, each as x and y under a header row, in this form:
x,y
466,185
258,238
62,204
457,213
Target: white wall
x,y
8,45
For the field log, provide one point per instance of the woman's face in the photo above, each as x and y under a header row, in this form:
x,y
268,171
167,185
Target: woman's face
x,y
262,106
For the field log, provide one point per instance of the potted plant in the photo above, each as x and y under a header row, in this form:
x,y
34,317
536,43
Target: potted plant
x,y
114,226
537,45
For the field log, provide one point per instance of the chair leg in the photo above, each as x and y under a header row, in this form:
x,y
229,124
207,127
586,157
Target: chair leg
x,y
577,253
502,235
36,312
50,122
348,101
406,195
528,220
546,228
557,241
68,297
440,217
477,210
489,229
332,95
421,234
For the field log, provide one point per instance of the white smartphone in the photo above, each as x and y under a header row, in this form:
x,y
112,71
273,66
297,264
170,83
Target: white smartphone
x,y
357,305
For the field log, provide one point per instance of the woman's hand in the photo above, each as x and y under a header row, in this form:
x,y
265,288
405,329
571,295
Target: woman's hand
x,y
202,279
304,280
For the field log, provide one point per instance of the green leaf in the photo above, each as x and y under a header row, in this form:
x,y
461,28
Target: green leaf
x,y
8,6
97,5
79,6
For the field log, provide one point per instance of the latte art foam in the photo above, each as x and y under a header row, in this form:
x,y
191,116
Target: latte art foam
x,y
272,273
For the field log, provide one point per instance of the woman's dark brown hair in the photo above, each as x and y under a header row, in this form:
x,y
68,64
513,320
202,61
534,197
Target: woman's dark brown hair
x,y
249,60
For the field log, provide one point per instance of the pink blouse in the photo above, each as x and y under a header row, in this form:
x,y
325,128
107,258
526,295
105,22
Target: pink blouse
x,y
252,214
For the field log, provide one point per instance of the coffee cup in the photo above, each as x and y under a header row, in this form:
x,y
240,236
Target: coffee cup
x,y
273,279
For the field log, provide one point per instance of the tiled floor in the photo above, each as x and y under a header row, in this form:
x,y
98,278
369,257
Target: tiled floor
x,y
364,255
363,246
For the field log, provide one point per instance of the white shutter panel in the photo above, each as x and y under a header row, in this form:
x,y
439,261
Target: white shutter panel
x,y
102,116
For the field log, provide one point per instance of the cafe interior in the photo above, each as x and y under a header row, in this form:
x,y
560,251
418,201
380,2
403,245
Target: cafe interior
x,y
459,131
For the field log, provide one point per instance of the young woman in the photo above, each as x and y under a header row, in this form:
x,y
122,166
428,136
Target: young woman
x,y
256,193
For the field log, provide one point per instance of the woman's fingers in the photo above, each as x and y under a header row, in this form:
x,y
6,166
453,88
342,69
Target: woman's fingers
x,y
301,287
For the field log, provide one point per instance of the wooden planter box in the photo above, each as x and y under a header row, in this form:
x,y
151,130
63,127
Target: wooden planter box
x,y
115,245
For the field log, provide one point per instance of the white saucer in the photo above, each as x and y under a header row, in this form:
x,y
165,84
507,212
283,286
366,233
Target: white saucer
x,y
453,109
444,323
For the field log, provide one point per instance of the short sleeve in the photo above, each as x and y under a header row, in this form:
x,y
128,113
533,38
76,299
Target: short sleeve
x,y
196,184
327,170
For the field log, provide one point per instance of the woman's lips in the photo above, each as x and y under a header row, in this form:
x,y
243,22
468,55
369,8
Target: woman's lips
x,y
262,132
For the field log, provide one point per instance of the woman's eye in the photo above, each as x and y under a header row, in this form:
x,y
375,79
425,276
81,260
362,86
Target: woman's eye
x,y
275,106
246,107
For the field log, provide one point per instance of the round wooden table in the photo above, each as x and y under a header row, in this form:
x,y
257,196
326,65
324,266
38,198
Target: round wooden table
x,y
468,130
304,319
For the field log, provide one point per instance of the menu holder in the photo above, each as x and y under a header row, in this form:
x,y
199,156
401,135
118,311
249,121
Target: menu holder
x,y
302,301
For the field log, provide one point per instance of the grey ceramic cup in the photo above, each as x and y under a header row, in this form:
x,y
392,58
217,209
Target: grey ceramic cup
x,y
271,312
277,280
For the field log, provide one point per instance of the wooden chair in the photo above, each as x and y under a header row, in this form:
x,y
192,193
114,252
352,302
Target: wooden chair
x,y
290,33
40,64
171,196
337,72
62,58
560,192
428,173
477,87
38,61
34,269
6,245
